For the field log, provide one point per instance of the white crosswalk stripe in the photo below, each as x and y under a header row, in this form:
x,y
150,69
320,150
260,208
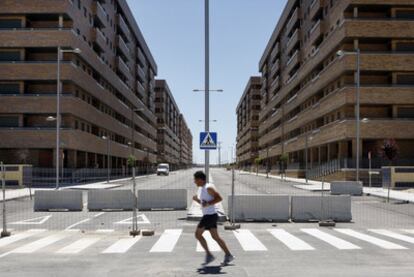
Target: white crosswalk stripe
x,y
393,235
376,241
39,244
121,246
410,231
290,241
332,240
212,244
78,246
248,241
19,237
167,241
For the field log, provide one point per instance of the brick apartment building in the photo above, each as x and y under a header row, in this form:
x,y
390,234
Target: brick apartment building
x,y
107,89
174,138
248,122
309,88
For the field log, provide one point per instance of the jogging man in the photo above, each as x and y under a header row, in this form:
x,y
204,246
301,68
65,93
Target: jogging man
x,y
208,199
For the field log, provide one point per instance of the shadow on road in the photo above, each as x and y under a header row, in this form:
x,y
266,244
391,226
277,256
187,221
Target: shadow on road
x,y
210,270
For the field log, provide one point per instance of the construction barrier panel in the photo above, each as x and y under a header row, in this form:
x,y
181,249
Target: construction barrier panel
x,y
333,207
110,200
157,199
259,207
70,200
346,187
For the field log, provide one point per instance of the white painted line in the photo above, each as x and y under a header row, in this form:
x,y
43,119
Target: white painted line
x,y
39,244
376,241
248,241
105,231
332,240
212,244
33,221
410,231
167,241
99,214
72,230
290,241
18,237
78,246
141,219
393,235
121,246
77,223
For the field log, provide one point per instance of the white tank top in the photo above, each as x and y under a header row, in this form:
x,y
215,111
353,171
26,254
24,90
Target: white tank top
x,y
204,196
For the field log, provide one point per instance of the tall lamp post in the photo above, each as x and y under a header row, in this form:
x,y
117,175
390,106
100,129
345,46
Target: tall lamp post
x,y
342,53
58,118
107,158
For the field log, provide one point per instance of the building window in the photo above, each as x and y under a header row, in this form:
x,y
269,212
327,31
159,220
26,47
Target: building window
x,y
9,89
406,112
9,121
9,56
10,23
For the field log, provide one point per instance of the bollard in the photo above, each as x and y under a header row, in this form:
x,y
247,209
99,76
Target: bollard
x,y
232,225
134,232
4,233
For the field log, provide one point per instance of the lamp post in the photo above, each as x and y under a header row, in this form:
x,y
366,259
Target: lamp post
x,y
341,53
107,158
58,118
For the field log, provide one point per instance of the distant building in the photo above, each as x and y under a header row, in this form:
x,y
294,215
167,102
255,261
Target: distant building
x,y
248,122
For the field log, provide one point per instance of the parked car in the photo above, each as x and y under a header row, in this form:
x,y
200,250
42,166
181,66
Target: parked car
x,y
163,169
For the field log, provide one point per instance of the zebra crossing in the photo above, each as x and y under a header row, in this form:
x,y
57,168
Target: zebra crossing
x,y
172,240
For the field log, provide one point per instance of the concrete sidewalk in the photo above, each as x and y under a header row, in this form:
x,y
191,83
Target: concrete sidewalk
x,y
317,186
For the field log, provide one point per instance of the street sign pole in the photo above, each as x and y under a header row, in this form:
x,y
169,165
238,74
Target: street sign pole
x,y
207,83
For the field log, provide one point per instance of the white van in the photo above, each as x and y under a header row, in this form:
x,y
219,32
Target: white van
x,y
163,169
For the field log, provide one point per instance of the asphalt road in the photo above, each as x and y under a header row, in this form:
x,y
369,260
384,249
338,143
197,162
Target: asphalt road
x,y
379,241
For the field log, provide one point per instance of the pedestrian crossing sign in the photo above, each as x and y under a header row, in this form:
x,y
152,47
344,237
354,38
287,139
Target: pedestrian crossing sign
x,y
208,140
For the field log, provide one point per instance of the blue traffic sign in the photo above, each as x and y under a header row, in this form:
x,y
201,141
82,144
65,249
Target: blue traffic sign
x,y
208,140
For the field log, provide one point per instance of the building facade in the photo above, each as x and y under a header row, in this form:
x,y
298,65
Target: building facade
x,y
168,120
186,143
309,73
247,112
107,100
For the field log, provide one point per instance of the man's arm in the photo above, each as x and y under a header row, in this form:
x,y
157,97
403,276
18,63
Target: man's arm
x,y
216,197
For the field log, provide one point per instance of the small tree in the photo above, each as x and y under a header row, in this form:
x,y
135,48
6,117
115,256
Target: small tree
x,y
257,162
389,151
131,161
283,162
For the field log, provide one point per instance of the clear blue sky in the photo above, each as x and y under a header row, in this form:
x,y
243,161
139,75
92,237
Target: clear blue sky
x,y
240,30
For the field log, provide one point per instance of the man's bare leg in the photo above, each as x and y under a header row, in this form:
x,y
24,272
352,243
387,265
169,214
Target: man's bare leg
x,y
199,236
221,243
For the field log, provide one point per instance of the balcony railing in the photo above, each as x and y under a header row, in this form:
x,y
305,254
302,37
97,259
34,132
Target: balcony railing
x,y
100,14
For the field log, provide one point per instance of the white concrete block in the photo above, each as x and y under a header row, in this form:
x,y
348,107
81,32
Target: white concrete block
x,y
263,207
155,199
110,200
58,200
346,187
337,208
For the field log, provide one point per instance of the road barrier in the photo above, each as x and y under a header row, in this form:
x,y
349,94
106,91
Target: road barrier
x,y
346,187
156,199
70,200
334,207
250,207
110,200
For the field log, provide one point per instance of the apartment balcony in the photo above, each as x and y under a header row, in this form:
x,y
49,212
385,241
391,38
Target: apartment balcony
x,y
100,14
293,61
272,152
275,85
292,20
315,8
275,67
140,88
141,73
98,38
122,46
269,137
379,28
292,40
315,32
275,52
141,56
123,27
123,68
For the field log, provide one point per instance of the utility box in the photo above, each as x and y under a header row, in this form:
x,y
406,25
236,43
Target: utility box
x,y
18,175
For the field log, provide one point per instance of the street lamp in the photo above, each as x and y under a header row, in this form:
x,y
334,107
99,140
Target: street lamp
x,y
107,158
200,120
342,53
58,117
